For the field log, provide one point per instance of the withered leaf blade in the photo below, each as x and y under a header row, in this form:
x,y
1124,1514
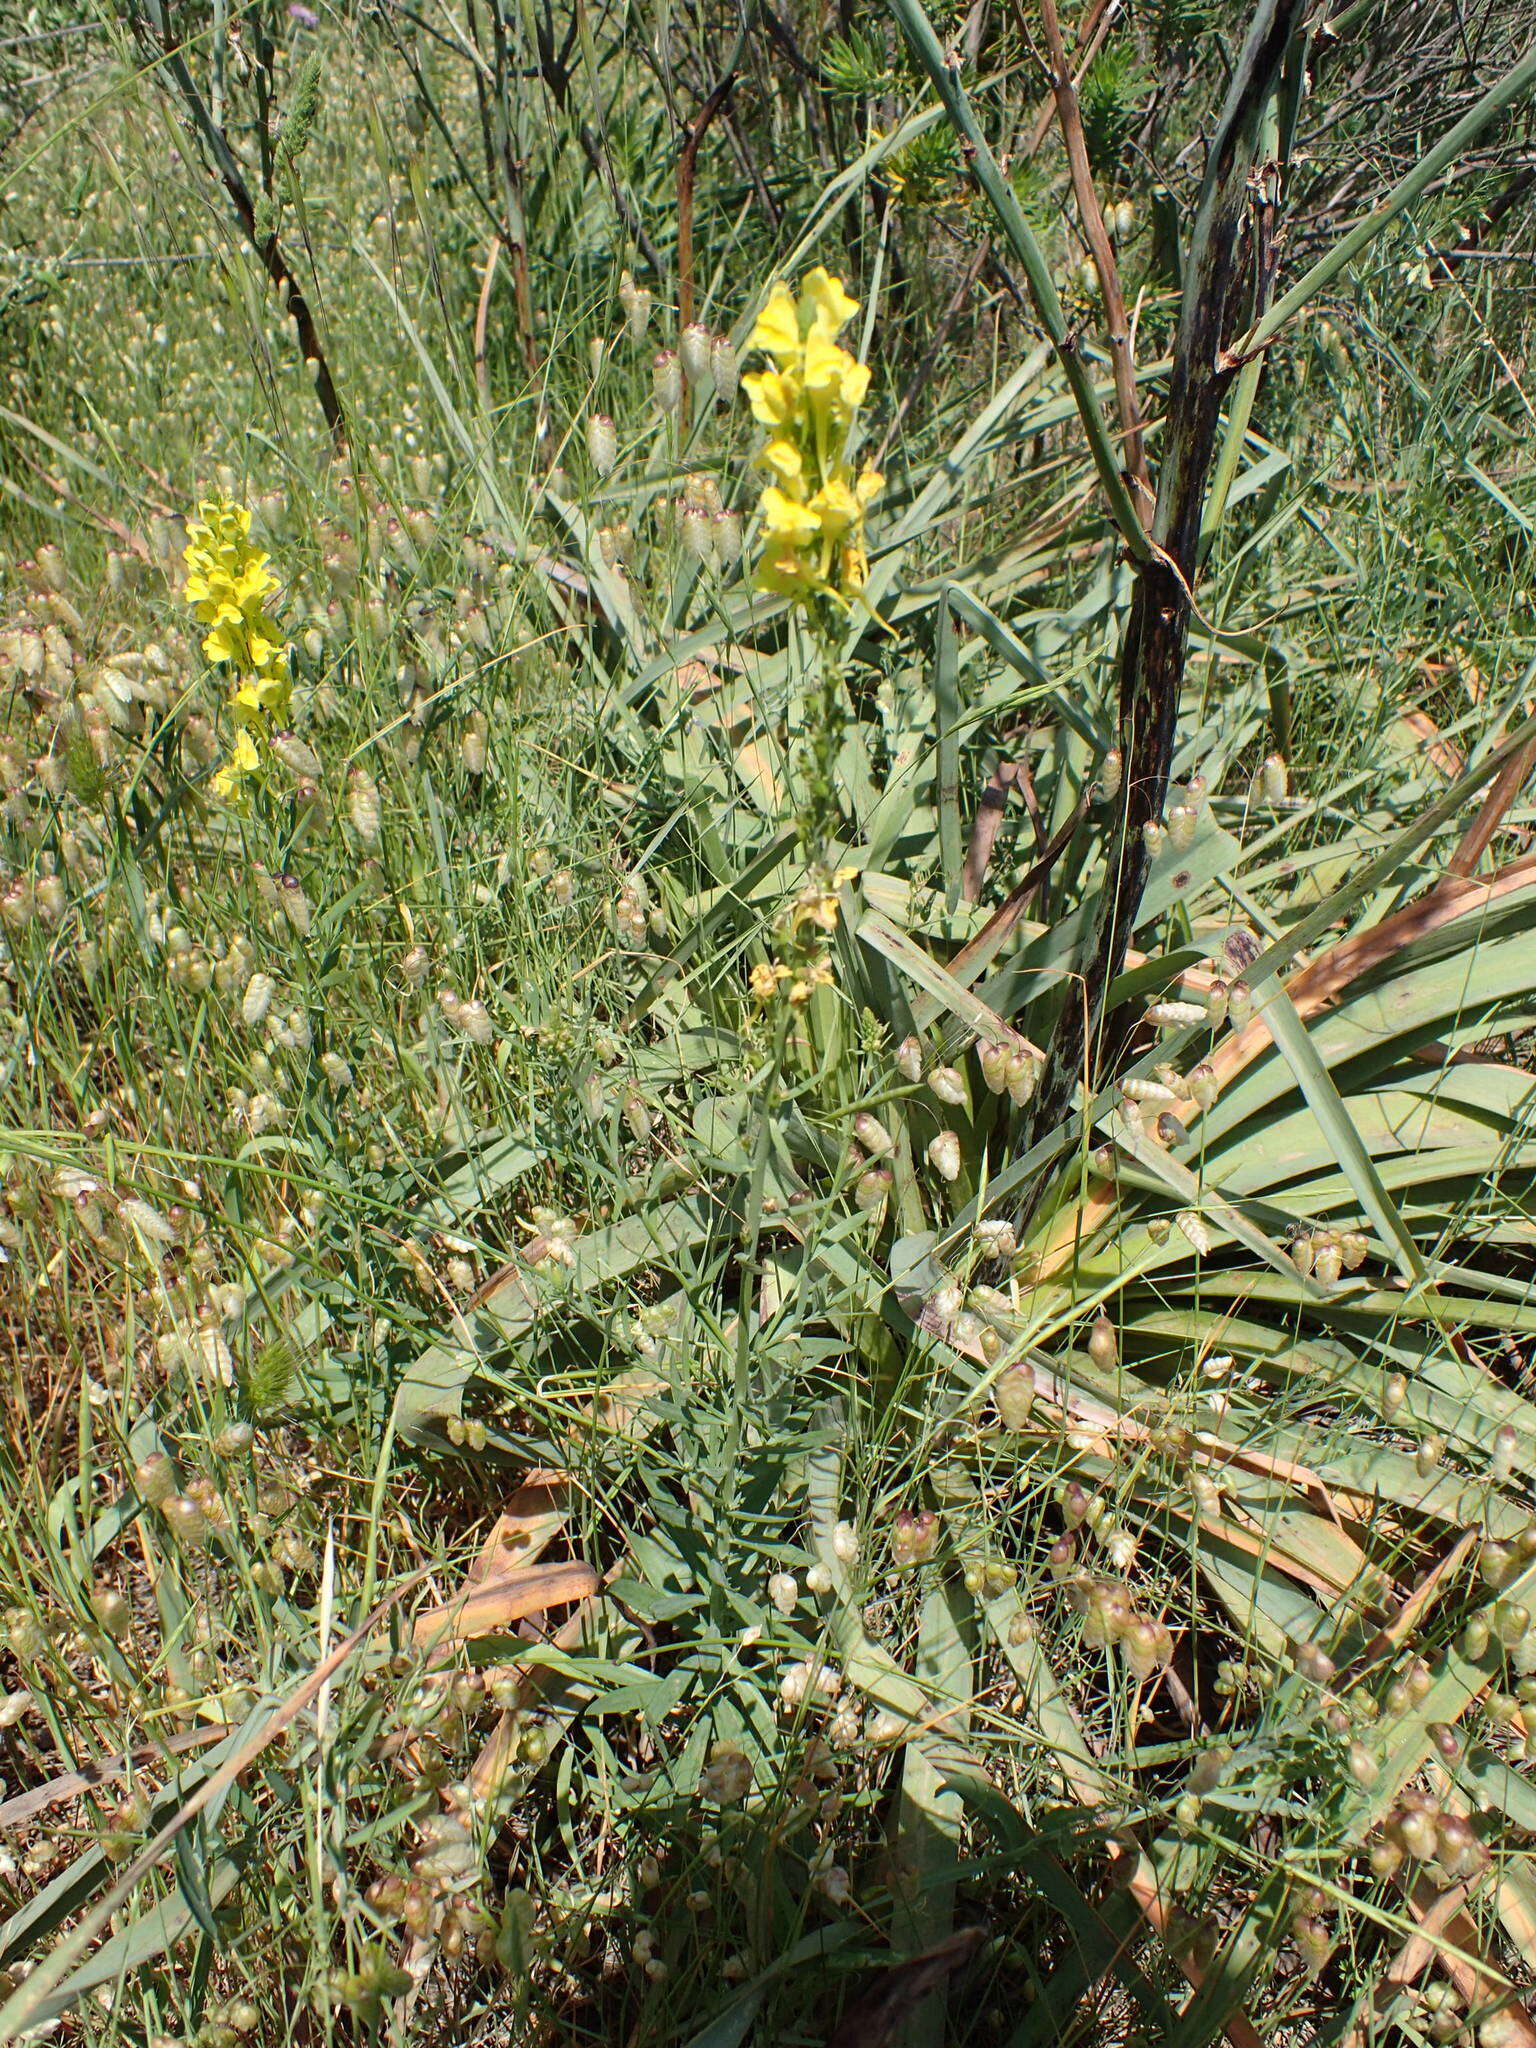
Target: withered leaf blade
x,y
491,1606
874,2018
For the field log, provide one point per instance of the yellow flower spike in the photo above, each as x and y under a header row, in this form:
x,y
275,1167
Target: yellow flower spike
x,y
228,584
813,509
824,304
778,326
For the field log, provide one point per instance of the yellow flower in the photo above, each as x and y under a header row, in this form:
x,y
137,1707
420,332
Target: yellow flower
x,y
813,510
261,699
784,519
836,508
228,584
783,458
824,305
764,980
775,399
817,975
244,762
777,331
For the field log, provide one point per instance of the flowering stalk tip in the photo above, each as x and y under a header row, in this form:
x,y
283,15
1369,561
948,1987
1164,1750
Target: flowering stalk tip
x,y
813,505
229,582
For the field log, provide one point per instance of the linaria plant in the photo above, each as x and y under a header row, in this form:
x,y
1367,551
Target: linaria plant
x,y
765,1240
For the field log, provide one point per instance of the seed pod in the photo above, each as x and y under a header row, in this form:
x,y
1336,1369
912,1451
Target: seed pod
x,y
698,535
1203,1085
336,1071
474,1020
636,301
1153,837
1496,1562
602,443
1014,1395
1139,1648
872,1188
872,1134
724,369
473,742
1143,1091
1125,219
1111,771
1180,826
1172,1015
363,806
608,547
948,1086
666,380
296,755
295,905
727,527
1327,1259
694,352
1194,1230
1393,1394
1313,1662
1475,1638
257,1000
909,1058
1502,1463
111,1609
1276,779
1102,1346
1419,1835
1511,1619
1429,1454
993,1061
944,1155
1239,1003
996,1238
1216,1003
1364,1765
1355,1247
186,1520
1023,1077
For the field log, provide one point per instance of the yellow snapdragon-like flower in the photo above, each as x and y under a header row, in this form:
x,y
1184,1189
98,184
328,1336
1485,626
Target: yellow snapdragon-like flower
x,y
229,582
813,510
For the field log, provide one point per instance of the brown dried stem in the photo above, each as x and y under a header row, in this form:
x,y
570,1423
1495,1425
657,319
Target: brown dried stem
x,y
1122,355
